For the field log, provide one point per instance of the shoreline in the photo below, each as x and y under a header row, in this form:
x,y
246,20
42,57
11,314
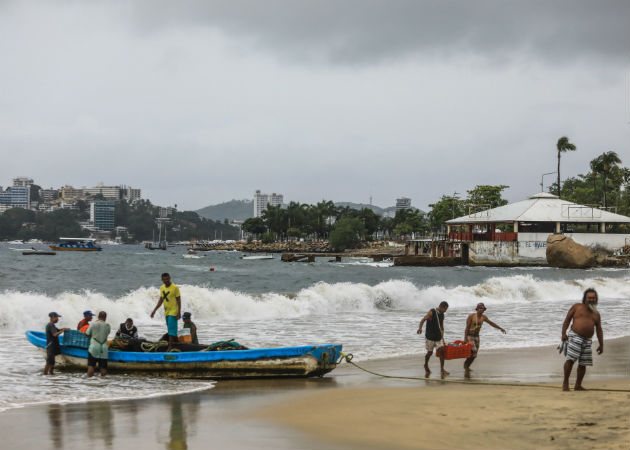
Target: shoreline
x,y
476,416
219,414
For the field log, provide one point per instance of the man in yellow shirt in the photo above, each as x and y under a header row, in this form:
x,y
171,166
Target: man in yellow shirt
x,y
172,300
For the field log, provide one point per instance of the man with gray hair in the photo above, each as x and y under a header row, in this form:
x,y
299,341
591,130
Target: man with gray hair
x,y
586,321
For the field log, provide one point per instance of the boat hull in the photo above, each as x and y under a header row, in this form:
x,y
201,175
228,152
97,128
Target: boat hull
x,y
73,249
306,361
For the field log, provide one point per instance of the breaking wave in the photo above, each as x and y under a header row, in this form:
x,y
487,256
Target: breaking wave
x,y
27,310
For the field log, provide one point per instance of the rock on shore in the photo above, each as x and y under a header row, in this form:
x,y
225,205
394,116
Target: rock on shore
x,y
564,252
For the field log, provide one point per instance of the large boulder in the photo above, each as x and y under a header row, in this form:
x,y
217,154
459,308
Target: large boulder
x,y
564,252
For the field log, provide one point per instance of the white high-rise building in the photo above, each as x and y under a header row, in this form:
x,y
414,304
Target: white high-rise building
x,y
262,200
403,203
22,182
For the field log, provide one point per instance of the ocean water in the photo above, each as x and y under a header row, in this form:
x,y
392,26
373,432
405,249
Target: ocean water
x,y
373,309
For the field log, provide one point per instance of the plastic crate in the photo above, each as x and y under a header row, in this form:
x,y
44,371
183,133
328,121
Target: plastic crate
x,y
74,338
455,350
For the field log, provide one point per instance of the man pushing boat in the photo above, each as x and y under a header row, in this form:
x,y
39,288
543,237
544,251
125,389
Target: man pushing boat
x,y
172,301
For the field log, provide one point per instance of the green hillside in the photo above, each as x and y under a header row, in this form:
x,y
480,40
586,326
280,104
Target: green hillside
x,y
232,210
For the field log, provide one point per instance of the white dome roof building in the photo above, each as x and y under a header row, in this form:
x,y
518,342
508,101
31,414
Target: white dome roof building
x,y
529,223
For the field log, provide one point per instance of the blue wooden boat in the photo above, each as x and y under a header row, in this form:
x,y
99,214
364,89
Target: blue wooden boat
x,y
304,361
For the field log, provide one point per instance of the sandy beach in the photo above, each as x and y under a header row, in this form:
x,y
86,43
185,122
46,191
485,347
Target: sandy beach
x,y
352,409
466,416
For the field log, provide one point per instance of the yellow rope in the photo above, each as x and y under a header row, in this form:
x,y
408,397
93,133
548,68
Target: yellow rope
x,y
348,358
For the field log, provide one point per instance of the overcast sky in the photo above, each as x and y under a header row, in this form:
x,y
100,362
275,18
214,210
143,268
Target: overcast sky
x,y
199,102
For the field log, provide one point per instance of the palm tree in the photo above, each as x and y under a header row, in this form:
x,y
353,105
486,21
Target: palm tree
x,y
606,163
563,145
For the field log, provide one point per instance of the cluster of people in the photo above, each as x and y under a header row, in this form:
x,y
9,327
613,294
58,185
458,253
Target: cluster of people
x,y
99,330
583,319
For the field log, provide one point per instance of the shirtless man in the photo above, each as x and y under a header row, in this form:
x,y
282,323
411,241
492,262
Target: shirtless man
x,y
471,334
586,320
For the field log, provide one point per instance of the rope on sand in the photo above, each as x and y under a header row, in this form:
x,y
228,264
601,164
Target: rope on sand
x,y
348,358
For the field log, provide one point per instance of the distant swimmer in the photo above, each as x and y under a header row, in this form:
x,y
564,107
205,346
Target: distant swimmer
x,y
84,323
188,323
434,336
172,300
53,348
127,330
471,334
98,349
586,321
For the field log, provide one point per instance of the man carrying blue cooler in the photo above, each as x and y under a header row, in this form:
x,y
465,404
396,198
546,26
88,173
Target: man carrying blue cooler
x,y
172,301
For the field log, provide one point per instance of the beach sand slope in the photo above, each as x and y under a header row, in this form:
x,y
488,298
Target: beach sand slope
x,y
466,417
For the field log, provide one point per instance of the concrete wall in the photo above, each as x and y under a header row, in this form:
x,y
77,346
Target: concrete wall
x,y
531,248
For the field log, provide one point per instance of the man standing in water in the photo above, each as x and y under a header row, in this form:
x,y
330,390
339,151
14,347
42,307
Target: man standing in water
x,y
471,334
98,350
172,300
434,335
52,342
586,320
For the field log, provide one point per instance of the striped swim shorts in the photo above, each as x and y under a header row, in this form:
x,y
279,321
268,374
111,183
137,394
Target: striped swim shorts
x,y
579,349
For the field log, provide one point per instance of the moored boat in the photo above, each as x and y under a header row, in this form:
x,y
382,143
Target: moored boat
x,y
257,257
76,244
304,361
37,252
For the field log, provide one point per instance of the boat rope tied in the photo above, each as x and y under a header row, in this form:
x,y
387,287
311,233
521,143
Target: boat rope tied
x,y
348,358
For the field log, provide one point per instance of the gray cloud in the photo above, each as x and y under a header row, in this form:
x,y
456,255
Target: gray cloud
x,y
370,31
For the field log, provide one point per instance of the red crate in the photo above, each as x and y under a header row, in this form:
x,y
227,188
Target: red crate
x,y
455,350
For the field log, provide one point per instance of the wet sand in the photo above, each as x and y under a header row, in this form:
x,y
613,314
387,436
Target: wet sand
x,y
465,416
352,409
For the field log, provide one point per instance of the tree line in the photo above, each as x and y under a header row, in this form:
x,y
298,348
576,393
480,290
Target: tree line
x,y
138,218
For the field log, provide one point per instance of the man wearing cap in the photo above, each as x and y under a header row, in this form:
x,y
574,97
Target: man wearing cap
x,y
52,342
471,334
84,323
98,350
188,323
172,301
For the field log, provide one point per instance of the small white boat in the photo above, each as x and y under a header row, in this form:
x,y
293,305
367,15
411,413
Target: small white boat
x,y
256,257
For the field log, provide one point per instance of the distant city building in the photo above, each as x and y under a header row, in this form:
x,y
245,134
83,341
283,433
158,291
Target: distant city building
x,y
130,194
71,193
102,214
22,182
16,197
69,205
48,195
166,211
108,192
262,200
403,203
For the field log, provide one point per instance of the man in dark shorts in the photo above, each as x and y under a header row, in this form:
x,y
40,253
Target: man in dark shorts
x,y
586,321
98,350
52,342
434,336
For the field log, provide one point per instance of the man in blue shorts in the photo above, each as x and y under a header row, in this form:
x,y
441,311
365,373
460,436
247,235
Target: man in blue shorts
x,y
172,301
